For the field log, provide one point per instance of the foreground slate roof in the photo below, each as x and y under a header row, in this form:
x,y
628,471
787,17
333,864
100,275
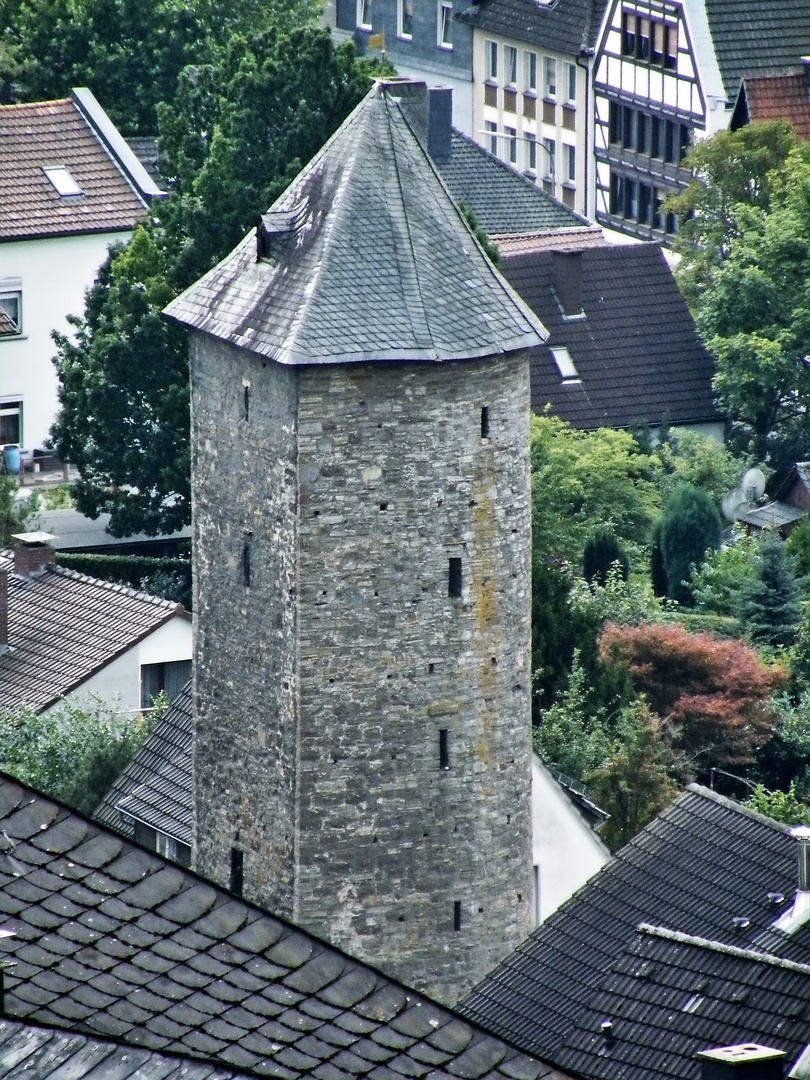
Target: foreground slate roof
x,y
366,258
669,995
65,626
60,133
634,367
702,864
156,786
33,1052
782,96
566,26
504,201
752,38
114,941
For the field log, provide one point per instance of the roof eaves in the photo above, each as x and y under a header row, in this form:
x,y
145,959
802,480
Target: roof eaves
x,y
719,946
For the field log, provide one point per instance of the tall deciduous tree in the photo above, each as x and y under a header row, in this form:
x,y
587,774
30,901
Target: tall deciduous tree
x,y
714,695
238,132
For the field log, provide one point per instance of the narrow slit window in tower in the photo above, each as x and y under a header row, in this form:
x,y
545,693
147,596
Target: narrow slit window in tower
x,y
457,915
246,562
454,577
485,421
237,871
247,403
444,750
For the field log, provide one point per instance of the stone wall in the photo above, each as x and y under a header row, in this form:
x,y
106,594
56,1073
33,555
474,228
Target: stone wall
x,y
421,869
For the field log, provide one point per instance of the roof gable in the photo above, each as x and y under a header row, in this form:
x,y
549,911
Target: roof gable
x,y
113,940
57,133
64,627
783,96
367,258
702,863
636,350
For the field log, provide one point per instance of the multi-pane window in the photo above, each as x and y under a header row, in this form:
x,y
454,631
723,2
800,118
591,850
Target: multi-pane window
x,y
652,41
10,313
549,77
665,140
530,153
570,75
640,203
10,422
364,14
491,129
445,24
169,677
405,12
570,163
529,72
510,65
491,60
550,162
511,144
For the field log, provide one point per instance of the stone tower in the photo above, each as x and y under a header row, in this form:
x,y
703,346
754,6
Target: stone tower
x,y
360,411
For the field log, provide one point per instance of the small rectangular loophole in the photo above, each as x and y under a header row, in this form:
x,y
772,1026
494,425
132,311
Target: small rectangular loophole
x,y
237,871
246,562
247,403
444,750
457,915
454,577
485,421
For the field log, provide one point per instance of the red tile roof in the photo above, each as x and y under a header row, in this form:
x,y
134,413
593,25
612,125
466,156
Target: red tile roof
x,y
780,97
56,133
64,627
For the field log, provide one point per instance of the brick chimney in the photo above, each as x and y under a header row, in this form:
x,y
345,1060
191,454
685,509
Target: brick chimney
x,y
566,280
33,553
746,1061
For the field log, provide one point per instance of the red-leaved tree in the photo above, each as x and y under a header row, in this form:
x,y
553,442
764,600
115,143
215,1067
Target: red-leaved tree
x,y
713,695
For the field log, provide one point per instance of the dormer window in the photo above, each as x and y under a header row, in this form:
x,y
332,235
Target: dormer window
x,y
565,365
62,180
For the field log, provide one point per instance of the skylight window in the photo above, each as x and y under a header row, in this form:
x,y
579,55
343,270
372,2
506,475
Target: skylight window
x,y
565,365
62,180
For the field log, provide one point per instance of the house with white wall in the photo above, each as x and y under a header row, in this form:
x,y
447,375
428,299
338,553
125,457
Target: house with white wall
x,y
71,187
531,89
67,635
667,74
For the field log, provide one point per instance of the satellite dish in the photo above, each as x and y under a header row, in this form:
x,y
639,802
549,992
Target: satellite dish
x,y
733,504
753,484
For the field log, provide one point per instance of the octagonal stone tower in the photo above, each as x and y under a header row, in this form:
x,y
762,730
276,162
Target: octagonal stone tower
x,y
360,413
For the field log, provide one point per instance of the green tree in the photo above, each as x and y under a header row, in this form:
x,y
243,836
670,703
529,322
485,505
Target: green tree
x,y
571,736
72,752
16,515
602,551
691,458
717,581
129,52
784,806
586,480
769,599
690,526
239,131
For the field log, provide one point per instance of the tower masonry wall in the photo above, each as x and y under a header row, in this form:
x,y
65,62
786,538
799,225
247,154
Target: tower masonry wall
x,y
245,503
362,737
414,845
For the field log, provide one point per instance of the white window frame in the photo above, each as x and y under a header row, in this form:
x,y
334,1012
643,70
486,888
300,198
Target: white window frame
x,y
530,152
491,60
529,71
402,11
11,292
550,159
444,22
570,163
510,66
550,78
63,183
565,364
510,147
13,406
491,132
570,76
364,12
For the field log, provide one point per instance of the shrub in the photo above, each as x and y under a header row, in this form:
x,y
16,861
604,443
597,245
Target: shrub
x,y
602,550
690,526
769,600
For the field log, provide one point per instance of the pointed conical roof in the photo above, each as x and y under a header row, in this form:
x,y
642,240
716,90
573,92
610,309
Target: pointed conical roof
x,y
364,257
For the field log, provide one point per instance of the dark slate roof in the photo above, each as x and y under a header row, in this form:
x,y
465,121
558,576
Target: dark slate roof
x,y
700,865
369,259
669,996
504,201
637,351
57,133
64,627
782,96
32,1052
113,940
754,38
567,26
773,515
156,787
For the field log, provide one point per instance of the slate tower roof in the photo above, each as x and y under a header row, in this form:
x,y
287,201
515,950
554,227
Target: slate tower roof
x,y
364,257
